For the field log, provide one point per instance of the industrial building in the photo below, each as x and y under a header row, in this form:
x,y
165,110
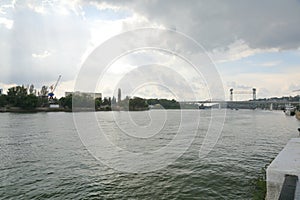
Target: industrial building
x,y
91,94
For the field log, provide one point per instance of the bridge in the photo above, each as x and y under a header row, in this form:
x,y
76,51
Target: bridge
x,y
250,104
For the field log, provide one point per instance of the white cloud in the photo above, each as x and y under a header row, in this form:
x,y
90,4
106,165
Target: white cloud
x,y
104,5
235,51
6,22
45,54
34,37
295,87
4,7
267,85
153,66
50,7
64,86
37,8
271,63
5,87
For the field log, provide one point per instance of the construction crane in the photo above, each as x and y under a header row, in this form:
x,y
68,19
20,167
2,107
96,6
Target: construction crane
x,y
53,87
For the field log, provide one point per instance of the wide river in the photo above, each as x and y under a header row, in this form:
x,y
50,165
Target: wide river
x,y
42,155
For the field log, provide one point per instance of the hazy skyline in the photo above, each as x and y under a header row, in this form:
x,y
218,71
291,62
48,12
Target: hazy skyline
x,y
252,43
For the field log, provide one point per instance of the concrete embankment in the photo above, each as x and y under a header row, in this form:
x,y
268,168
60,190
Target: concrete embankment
x,y
286,164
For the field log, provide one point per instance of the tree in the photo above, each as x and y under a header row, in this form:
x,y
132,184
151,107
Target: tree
x,y
16,95
106,102
167,104
43,101
3,100
44,91
137,103
152,101
31,89
30,101
66,102
98,102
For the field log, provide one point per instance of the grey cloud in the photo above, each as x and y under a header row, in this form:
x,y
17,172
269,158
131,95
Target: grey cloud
x,y
64,37
216,24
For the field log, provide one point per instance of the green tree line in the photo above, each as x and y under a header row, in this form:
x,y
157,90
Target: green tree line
x,y
22,97
30,98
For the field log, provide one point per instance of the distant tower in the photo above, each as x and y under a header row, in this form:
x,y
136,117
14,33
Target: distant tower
x,y
254,93
231,94
119,95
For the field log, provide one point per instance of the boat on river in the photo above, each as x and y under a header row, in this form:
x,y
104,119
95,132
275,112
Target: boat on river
x,y
289,110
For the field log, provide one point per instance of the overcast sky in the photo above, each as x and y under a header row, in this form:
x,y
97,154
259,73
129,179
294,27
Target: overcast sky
x,y
252,43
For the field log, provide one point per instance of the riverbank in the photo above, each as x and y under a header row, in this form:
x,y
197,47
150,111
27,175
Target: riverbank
x,y
48,109
33,110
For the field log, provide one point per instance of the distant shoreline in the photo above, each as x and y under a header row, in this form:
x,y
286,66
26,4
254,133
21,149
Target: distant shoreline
x,y
34,110
45,109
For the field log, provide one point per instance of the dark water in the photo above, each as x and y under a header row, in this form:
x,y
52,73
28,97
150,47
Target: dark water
x,y
43,157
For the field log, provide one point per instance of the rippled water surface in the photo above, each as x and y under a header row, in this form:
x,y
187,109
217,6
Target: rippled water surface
x,y
41,156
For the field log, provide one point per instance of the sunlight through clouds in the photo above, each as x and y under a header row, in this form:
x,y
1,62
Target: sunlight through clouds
x,y
6,22
52,37
41,55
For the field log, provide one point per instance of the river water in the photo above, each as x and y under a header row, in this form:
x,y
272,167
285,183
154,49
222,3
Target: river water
x,y
42,156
